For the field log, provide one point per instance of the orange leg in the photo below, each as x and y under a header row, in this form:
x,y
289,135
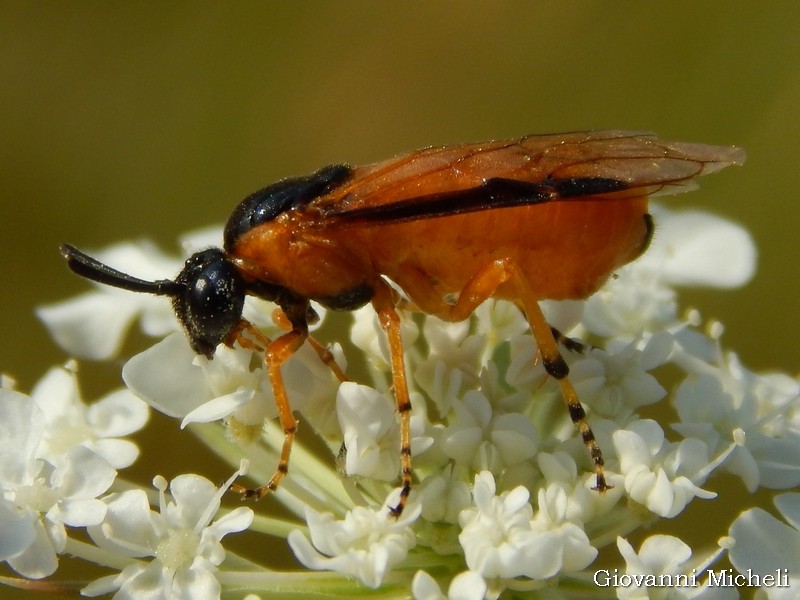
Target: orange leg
x,y
279,318
384,303
275,354
483,286
556,366
327,357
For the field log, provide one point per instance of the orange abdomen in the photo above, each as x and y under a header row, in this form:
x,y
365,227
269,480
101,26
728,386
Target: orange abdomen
x,y
566,250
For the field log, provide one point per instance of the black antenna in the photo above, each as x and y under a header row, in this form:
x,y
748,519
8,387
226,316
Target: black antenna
x,y
86,266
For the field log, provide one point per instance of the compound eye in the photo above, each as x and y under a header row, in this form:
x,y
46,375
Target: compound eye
x,y
211,306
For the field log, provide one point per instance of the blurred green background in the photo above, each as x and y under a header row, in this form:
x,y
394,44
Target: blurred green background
x,y
130,120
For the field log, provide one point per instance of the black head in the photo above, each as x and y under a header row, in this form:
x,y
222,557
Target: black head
x,y
207,295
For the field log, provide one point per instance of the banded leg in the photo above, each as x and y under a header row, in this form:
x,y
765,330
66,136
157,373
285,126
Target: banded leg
x,y
275,354
483,286
569,343
384,304
557,367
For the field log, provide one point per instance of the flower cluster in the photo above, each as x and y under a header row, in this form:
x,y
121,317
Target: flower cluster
x,y
502,496
58,467
57,456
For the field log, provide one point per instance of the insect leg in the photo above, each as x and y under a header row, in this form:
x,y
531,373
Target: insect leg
x,y
275,354
326,356
281,320
556,367
482,286
384,304
568,342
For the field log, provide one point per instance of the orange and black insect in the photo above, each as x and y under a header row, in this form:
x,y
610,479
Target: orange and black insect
x,y
540,217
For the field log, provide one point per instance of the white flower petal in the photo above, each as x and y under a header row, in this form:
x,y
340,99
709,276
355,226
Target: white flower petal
x,y
119,453
664,553
789,507
91,325
130,527
371,434
193,496
84,474
148,583
306,553
218,408
444,495
460,443
467,585
365,544
631,449
118,414
237,520
21,429
165,377
39,557
56,393
578,552
697,248
18,527
778,460
515,437
424,587
102,586
193,583
763,543
80,513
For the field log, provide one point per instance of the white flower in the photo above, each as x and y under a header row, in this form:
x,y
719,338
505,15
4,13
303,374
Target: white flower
x,y
175,381
21,426
485,440
39,498
668,557
451,350
70,422
524,372
371,434
566,541
697,248
584,504
366,544
444,494
180,539
467,585
171,378
659,554
614,384
632,304
499,321
501,539
764,544
660,475
719,402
